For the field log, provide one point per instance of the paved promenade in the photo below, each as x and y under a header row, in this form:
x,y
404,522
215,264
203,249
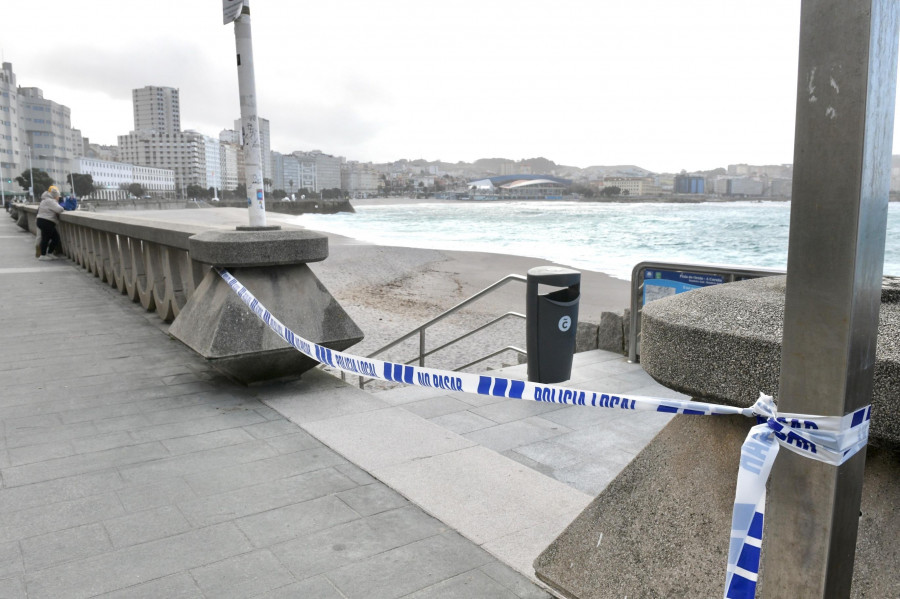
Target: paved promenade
x,y
131,469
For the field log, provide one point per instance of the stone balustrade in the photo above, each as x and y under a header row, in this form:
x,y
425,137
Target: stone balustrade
x,y
149,264
166,267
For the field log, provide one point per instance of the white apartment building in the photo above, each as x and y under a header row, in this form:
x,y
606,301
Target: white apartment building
x,y
229,164
34,132
185,153
361,179
633,185
327,169
156,109
9,131
212,162
233,158
110,176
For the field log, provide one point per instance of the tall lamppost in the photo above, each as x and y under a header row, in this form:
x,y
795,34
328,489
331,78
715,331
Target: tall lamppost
x,y
238,11
2,187
30,173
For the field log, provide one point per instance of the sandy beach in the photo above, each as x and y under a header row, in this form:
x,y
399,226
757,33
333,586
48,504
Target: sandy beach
x,y
389,291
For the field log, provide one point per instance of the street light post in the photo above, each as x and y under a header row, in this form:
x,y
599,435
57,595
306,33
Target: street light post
x,y
2,186
30,174
239,12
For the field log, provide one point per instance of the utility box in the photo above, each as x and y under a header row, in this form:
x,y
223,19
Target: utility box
x,y
551,321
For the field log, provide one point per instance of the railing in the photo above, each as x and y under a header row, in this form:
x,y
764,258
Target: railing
x,y
149,264
420,331
728,274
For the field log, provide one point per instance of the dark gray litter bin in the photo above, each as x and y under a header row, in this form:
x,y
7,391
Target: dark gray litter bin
x,y
550,322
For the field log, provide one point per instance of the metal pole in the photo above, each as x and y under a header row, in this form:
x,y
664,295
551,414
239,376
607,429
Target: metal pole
x,y
30,174
842,163
253,176
2,186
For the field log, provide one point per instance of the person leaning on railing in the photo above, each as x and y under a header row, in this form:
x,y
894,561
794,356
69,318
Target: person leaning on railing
x,y
47,219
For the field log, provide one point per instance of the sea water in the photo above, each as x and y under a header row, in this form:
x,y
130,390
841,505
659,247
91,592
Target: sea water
x,y
605,237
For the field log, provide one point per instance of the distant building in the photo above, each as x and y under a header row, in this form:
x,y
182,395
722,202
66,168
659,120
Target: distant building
x,y
690,184
636,186
327,170
744,186
109,177
520,187
186,153
780,188
775,171
360,180
156,109
513,168
34,132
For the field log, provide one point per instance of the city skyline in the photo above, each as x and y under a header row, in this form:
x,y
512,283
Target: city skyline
x,y
654,85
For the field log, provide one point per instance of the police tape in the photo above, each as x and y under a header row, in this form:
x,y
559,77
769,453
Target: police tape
x,y
829,439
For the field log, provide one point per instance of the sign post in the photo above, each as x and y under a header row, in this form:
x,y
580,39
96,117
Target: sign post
x,y
239,12
842,162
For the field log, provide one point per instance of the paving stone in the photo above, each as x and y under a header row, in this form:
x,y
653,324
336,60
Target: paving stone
x,y
238,476
148,525
318,587
58,516
473,584
13,588
357,540
375,498
285,523
212,440
506,436
511,410
272,428
59,490
436,406
242,576
137,498
176,586
142,430
81,463
49,549
403,570
463,422
39,453
139,563
195,462
300,440
263,497
515,582
10,560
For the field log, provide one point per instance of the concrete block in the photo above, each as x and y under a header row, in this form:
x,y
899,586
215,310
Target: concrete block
x,y
585,337
258,248
611,332
675,499
216,324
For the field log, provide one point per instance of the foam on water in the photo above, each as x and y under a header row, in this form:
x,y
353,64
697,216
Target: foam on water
x,y
604,237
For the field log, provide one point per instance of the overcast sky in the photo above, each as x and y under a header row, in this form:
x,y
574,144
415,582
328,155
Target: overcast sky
x,y
664,85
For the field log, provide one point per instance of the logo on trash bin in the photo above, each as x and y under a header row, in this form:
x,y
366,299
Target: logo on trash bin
x,y
565,323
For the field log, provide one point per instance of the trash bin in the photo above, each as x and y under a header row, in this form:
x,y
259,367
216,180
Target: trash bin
x,y
550,322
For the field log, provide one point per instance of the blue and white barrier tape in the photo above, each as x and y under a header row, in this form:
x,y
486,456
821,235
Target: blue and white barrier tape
x,y
829,439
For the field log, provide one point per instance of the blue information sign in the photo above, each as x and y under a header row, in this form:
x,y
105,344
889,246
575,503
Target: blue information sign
x,y
663,283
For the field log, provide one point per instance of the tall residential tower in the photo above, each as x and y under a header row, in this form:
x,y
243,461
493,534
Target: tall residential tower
x,y
156,109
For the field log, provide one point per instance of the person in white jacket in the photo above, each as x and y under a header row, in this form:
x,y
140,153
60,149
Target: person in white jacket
x,y
47,219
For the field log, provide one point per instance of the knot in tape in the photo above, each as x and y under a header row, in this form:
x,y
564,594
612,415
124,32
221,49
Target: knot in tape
x,y
829,439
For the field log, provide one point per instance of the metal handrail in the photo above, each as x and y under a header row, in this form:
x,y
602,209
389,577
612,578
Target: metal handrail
x,y
420,330
729,273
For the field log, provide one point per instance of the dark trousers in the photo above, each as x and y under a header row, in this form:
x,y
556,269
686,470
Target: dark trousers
x,y
50,240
